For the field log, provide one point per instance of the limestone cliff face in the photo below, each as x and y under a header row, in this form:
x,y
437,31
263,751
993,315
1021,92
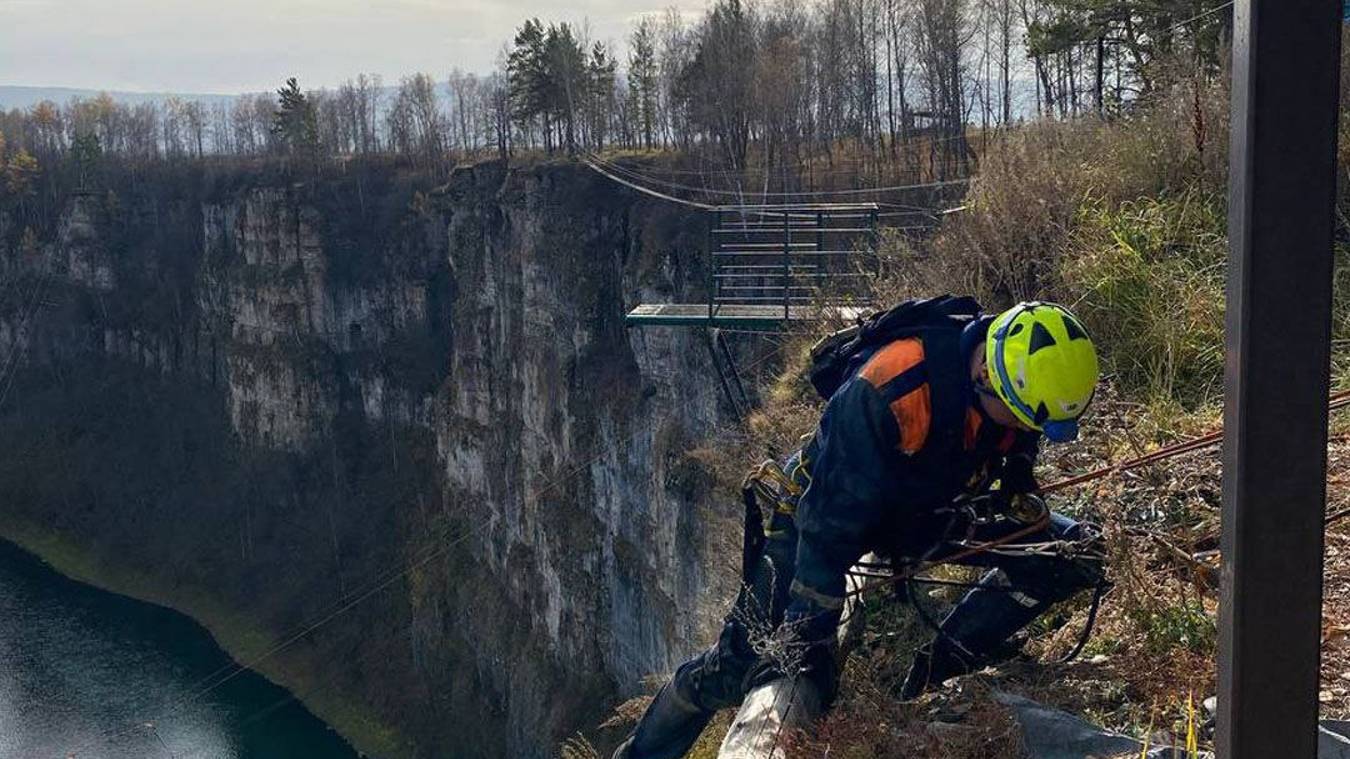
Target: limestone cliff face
x,y
448,365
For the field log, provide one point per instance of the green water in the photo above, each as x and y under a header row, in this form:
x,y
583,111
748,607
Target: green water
x,y
94,675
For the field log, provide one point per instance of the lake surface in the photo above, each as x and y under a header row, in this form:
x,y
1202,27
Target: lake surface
x,y
95,675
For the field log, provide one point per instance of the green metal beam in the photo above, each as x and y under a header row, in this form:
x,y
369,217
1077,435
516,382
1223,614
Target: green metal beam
x,y
767,316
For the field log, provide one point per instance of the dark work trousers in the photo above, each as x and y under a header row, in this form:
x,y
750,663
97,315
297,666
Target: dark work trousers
x,y
984,618
1010,595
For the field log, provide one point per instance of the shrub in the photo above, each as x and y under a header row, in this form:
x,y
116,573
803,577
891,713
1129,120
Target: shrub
x,y
1147,276
1185,625
1123,221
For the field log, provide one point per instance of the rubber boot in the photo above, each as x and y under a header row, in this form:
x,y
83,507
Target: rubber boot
x,y
668,729
932,665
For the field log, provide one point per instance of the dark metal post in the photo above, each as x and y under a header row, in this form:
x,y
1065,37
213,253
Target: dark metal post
x,y
874,239
1282,190
822,265
713,245
787,266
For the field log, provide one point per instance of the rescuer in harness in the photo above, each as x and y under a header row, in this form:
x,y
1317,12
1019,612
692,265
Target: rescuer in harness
x,y
928,403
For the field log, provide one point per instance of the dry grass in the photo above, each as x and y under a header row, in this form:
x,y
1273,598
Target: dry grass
x,y
1335,690
962,722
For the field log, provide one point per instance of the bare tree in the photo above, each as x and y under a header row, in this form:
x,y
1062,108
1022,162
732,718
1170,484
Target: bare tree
x,y
942,30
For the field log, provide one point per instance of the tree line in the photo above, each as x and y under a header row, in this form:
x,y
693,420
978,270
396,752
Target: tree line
x,y
777,86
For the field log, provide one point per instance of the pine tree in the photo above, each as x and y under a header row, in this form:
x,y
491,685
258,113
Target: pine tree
x,y
566,80
600,72
85,152
295,122
527,72
642,78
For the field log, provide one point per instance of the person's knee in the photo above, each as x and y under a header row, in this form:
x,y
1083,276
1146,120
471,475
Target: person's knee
x,y
715,679
1080,566
1058,581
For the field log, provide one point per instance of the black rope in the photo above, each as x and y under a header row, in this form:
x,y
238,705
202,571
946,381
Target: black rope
x,y
1084,637
1086,634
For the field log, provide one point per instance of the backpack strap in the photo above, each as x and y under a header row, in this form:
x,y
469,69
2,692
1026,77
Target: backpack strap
x,y
949,385
838,355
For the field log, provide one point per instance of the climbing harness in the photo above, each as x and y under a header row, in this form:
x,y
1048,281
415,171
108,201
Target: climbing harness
x,y
968,548
978,511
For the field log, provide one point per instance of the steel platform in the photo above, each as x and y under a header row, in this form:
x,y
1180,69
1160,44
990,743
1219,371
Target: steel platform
x,y
744,316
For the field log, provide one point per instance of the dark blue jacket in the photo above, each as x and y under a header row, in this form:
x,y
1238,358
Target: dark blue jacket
x,y
881,461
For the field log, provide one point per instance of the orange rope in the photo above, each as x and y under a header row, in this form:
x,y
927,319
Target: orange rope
x,y
1336,401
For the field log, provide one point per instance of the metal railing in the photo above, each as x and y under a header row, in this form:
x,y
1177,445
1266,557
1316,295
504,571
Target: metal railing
x,y
793,256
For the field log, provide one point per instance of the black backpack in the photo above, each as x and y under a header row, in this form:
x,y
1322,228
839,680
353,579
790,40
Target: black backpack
x,y
833,357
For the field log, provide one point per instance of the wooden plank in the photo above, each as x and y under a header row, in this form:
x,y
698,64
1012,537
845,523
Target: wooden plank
x,y
743,315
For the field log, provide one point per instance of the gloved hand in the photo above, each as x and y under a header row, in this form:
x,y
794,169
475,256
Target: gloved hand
x,y
1015,481
1017,477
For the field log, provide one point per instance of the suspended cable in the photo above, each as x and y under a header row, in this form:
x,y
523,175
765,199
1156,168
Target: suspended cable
x,y
803,194
11,365
646,190
1196,17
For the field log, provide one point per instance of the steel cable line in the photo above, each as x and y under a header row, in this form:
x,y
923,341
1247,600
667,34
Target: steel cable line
x,y
8,288
906,210
754,210
812,193
431,544
237,669
734,193
745,173
11,366
646,190
299,696
431,552
416,556
1196,17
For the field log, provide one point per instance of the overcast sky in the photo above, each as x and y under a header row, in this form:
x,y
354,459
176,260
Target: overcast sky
x,y
231,46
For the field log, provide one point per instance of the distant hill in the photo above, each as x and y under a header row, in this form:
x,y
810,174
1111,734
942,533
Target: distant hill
x,y
13,96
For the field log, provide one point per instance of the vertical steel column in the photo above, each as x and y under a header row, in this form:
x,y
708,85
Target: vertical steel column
x,y
874,240
787,266
822,269
713,244
1282,190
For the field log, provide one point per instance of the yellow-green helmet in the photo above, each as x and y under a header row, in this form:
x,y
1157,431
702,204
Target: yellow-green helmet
x,y
1043,365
